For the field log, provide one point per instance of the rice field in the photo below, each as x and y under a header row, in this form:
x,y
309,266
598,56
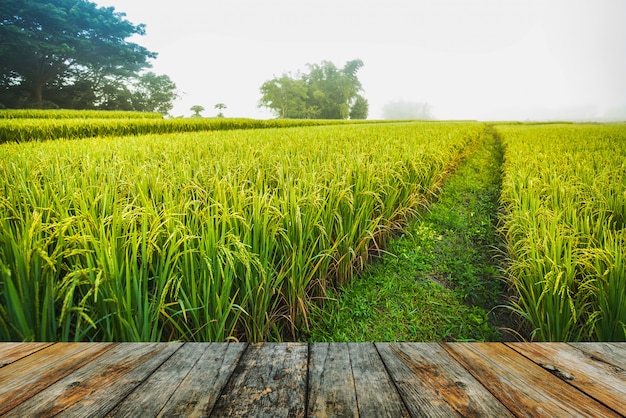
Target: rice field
x,y
51,114
564,196
133,228
203,236
82,124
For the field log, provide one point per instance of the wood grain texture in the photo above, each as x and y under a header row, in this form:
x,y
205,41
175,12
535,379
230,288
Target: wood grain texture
x,y
270,380
24,379
198,392
151,396
524,387
611,353
99,386
376,393
317,379
331,384
433,384
602,381
10,352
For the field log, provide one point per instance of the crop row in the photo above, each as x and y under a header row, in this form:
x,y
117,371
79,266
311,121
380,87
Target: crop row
x,y
564,193
75,114
206,236
33,129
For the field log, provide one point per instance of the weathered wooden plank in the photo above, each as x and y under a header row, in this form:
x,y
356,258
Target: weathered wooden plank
x,y
23,379
96,388
149,398
602,381
525,388
432,383
10,352
79,379
612,353
270,380
331,384
376,393
198,392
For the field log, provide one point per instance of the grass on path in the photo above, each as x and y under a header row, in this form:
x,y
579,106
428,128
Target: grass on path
x,y
439,280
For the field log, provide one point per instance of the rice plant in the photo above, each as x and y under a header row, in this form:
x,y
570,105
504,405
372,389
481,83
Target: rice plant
x,y
564,191
207,236
75,114
75,125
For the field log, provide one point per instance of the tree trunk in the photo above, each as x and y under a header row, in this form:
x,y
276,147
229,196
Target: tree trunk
x,y
37,95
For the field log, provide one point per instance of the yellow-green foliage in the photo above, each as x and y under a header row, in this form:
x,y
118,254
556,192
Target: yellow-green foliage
x,y
565,196
74,114
40,129
202,236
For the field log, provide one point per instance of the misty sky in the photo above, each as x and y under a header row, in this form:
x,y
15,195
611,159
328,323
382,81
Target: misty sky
x,y
486,59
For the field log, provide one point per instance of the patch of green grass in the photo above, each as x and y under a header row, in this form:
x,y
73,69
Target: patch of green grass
x,y
439,279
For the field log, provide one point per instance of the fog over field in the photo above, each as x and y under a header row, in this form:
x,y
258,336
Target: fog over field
x,y
487,59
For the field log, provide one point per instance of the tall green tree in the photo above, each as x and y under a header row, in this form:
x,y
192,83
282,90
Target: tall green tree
x,y
333,90
285,96
154,93
325,92
54,42
360,108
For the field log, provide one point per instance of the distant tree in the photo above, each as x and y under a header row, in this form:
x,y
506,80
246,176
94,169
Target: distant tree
x,y
402,110
333,90
81,93
154,93
196,109
146,93
285,96
220,107
56,43
325,92
360,108
114,94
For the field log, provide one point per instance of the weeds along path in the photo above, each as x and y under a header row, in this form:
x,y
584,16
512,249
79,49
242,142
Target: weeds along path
x,y
440,279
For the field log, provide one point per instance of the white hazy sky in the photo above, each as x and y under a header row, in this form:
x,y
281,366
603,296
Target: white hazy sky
x,y
484,59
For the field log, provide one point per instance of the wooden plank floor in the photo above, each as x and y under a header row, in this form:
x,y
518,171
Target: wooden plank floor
x,y
318,379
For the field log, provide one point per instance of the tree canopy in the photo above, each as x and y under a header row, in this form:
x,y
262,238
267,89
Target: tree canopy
x,y
325,92
196,109
72,53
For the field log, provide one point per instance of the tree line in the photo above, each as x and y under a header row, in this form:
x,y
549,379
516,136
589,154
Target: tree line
x,y
324,92
73,54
